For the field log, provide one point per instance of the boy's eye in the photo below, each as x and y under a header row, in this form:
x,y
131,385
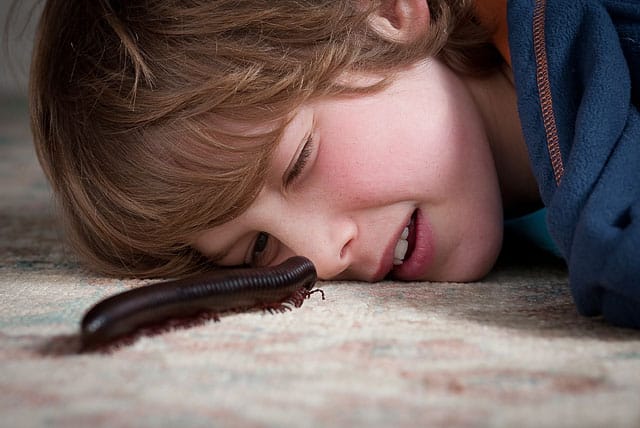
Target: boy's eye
x,y
259,253
261,243
301,161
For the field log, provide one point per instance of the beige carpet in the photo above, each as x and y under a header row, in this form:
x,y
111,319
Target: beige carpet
x,y
509,351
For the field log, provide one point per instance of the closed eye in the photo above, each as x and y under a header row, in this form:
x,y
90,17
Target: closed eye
x,y
301,162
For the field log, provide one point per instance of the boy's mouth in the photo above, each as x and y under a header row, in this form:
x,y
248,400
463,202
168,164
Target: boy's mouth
x,y
413,257
406,243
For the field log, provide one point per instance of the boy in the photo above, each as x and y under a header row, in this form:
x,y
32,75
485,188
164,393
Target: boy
x,y
376,138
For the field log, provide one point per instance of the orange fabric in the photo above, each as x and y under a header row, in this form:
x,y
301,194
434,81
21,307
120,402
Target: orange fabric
x,y
493,14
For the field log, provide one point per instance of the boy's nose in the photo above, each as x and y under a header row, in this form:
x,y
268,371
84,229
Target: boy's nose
x,y
328,241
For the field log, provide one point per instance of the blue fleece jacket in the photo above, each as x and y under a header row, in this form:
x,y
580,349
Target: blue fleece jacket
x,y
576,65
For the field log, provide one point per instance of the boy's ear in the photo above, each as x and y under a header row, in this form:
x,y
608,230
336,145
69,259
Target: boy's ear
x,y
402,20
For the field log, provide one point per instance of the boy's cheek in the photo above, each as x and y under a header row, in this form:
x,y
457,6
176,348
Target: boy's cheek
x,y
353,179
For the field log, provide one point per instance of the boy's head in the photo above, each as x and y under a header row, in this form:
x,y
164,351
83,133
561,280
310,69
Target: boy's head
x,y
155,120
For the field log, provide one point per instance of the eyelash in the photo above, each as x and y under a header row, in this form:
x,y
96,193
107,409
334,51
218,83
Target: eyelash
x,y
302,160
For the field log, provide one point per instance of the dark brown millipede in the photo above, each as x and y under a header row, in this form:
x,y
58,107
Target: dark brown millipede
x,y
275,288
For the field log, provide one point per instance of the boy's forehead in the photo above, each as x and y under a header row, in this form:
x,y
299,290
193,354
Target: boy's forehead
x,y
252,128
273,129
359,79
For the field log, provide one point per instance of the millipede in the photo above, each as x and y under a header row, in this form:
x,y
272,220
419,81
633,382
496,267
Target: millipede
x,y
155,308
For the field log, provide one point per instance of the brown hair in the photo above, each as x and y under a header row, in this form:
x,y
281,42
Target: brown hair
x,y
141,110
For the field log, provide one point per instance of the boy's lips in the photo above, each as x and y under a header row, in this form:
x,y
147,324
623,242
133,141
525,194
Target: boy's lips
x,y
420,253
386,263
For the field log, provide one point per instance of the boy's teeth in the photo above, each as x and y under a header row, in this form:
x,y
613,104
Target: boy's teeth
x,y
401,247
405,233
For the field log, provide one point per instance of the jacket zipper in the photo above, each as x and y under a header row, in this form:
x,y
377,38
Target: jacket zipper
x,y
544,91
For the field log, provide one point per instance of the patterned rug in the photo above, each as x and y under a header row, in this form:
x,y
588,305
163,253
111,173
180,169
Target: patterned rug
x,y
507,351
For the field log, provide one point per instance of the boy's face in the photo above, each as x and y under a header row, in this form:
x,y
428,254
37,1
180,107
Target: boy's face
x,y
414,155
